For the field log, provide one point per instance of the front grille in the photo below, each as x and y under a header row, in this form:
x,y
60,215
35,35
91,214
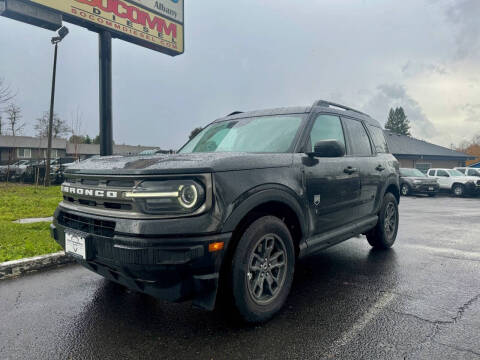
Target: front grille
x,y
105,184
87,225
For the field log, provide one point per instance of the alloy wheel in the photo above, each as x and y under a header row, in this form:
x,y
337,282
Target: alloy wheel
x,y
267,267
390,219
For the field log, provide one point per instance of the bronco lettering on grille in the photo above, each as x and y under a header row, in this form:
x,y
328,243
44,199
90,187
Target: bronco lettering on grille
x,y
90,192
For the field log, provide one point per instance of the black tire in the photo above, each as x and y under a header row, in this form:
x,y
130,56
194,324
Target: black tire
x,y
405,190
383,236
255,302
458,190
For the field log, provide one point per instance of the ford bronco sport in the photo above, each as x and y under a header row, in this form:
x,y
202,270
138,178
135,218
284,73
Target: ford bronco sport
x,y
235,209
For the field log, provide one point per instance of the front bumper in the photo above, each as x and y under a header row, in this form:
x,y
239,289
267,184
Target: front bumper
x,y
173,268
426,188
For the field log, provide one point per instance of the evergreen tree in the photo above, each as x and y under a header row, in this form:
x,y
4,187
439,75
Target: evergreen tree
x,y
398,122
194,133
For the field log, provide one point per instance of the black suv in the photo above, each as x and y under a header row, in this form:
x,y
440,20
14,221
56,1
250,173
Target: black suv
x,y
227,218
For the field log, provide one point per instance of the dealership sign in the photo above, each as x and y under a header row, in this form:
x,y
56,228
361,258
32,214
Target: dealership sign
x,y
154,24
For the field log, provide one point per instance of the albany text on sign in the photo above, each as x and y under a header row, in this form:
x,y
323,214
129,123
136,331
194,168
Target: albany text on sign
x,y
171,8
125,20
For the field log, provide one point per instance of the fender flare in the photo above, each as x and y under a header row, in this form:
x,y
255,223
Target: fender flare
x,y
261,195
391,180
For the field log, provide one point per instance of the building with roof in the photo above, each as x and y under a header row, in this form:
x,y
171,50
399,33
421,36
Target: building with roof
x,y
422,155
475,165
14,148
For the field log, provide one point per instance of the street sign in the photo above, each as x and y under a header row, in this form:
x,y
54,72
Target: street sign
x,y
31,14
152,24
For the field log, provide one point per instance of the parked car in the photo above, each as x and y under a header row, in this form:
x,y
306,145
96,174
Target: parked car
x,y
149,152
469,171
456,182
15,170
227,218
413,181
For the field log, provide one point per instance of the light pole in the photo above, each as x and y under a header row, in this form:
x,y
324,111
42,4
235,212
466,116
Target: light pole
x,y
62,32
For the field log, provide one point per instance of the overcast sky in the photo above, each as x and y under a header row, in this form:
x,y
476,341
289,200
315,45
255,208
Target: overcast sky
x,y
423,55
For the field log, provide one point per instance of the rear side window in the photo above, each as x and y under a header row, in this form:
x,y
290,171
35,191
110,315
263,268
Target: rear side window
x,y
442,173
359,141
326,127
378,139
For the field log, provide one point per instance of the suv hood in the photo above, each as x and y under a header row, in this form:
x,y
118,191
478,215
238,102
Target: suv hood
x,y
180,163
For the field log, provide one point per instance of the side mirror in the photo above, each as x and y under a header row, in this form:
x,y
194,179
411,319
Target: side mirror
x,y
328,148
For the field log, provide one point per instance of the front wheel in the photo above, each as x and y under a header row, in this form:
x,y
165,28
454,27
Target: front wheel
x,y
458,190
262,269
383,235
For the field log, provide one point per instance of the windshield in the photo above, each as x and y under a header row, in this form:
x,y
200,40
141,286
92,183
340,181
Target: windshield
x,y
411,173
455,173
266,134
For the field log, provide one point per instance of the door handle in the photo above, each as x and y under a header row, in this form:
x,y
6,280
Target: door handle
x,y
350,170
379,168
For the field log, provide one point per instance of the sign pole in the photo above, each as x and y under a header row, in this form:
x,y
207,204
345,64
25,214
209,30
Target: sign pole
x,y
105,88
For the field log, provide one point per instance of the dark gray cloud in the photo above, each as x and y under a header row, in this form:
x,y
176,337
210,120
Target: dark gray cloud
x,y
465,15
393,95
414,68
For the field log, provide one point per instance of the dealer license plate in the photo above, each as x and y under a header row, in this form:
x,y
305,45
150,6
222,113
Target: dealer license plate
x,y
75,244
430,188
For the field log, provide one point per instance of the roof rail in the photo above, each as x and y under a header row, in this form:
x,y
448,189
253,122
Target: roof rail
x,y
235,113
331,104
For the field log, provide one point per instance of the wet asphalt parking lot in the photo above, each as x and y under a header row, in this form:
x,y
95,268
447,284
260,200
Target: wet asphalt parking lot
x,y
421,300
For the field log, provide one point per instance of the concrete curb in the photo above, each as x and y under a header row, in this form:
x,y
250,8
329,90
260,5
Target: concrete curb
x,y
15,268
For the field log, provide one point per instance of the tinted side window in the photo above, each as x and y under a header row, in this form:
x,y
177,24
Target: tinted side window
x,y
326,127
431,173
442,173
359,141
461,170
378,139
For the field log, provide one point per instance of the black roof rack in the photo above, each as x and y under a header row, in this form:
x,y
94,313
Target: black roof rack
x,y
235,113
331,104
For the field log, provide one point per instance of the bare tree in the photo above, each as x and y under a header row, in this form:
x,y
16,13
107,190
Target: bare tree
x,y
15,126
14,119
76,129
1,125
6,93
59,126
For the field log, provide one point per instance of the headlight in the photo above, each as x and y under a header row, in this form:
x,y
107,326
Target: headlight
x,y
168,196
417,182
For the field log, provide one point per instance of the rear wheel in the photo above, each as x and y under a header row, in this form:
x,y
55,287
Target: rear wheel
x,y
262,269
405,189
383,235
458,190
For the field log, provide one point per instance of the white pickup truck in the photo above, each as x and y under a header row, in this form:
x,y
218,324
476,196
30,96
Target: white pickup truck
x,y
469,171
456,182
